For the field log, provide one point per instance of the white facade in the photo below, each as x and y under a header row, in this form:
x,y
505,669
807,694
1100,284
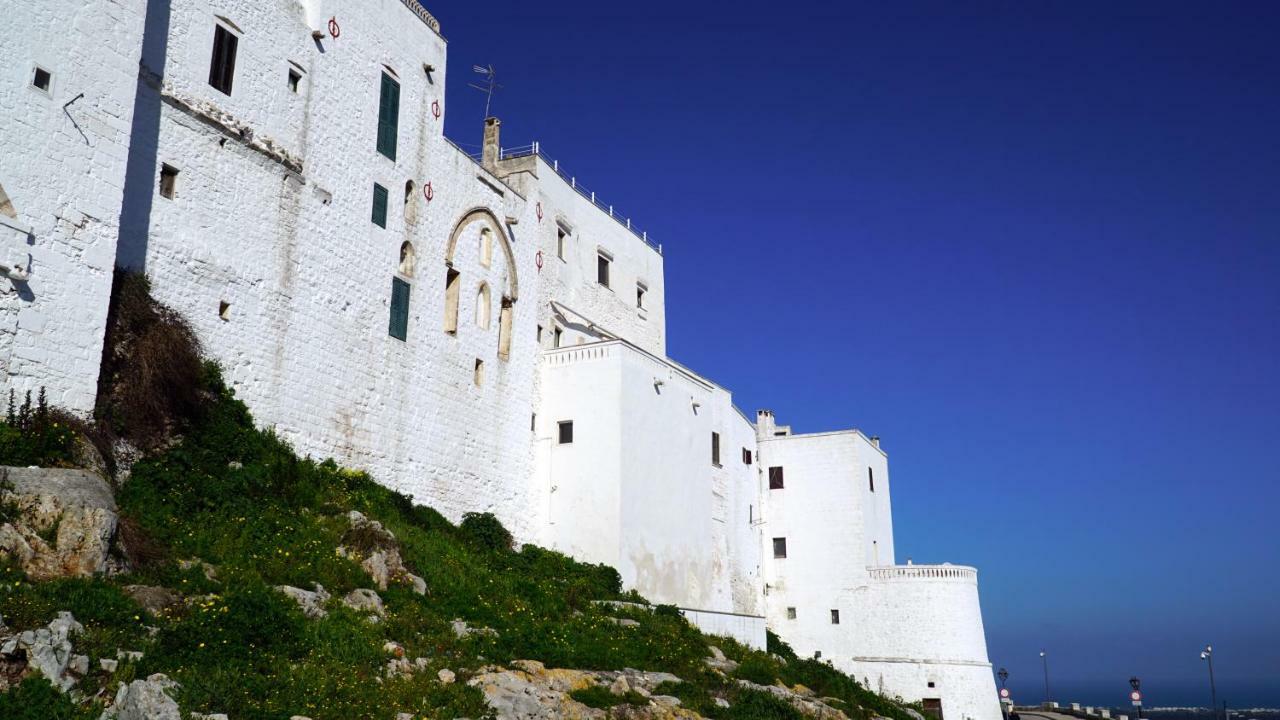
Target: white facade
x,y
376,295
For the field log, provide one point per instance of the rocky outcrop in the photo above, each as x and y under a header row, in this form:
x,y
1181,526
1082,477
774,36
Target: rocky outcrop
x,y
144,700
528,690
367,542
311,602
57,523
801,698
46,650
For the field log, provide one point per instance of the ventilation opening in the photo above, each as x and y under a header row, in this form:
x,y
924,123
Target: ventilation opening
x,y
168,181
479,373
224,310
42,79
452,290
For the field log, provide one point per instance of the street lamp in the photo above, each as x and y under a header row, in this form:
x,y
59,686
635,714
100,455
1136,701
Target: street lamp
x,y
1207,655
1004,677
1136,684
1044,656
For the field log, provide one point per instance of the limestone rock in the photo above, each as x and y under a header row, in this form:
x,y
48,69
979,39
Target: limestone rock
x,y
718,661
47,650
531,691
462,630
364,599
447,676
144,700
209,716
800,701
210,572
108,665
75,506
311,602
378,552
624,622
154,600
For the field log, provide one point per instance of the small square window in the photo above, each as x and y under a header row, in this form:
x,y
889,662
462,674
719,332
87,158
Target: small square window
x,y
295,79
42,79
835,617
779,547
932,684
817,654
746,456
566,432
775,478
602,269
168,181
791,613
379,205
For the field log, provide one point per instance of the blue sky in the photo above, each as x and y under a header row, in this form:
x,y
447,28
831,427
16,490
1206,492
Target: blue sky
x,y
1034,246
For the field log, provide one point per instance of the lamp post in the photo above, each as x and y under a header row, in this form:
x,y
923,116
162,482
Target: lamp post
x,y
1044,656
1207,655
1136,684
1004,677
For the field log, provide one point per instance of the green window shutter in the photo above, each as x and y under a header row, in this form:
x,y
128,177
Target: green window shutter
x,y
399,309
388,116
379,205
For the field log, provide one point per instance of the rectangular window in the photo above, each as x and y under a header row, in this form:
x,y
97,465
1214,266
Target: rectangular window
x,y
388,116
602,269
566,431
562,238
871,479
791,613
533,422
835,617
379,205
222,68
746,456
539,336
780,547
775,478
295,79
42,79
640,291
715,449
168,181
452,292
399,328
556,337
479,374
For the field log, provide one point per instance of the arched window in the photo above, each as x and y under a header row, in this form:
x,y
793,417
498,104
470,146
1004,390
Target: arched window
x,y
406,259
486,247
482,306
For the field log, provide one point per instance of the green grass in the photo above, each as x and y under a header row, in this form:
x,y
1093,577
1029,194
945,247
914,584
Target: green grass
x,y
239,498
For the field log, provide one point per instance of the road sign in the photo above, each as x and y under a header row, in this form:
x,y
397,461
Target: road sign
x,y
1004,692
1136,697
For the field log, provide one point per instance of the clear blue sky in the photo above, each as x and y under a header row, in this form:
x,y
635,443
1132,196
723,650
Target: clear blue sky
x,y
1035,246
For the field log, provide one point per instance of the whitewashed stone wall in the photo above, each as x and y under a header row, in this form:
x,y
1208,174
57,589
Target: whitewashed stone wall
x,y
62,159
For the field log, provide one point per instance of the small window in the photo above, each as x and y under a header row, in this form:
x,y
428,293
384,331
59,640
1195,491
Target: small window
x,y
539,336
715,449
791,613
168,181
388,116
817,654
533,422
640,291
224,310
483,307
42,79
871,479
379,205
775,478
295,79
932,684
222,67
557,336
566,432
780,547
746,456
835,617
602,269
406,259
562,239
452,291
399,327
479,375
486,247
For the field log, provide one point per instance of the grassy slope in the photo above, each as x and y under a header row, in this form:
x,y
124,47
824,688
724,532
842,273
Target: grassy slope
x,y
240,499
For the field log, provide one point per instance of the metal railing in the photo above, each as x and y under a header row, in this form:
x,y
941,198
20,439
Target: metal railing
x,y
930,572
535,149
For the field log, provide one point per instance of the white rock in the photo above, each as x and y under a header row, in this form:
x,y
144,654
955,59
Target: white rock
x,y
108,664
145,700
446,676
364,599
311,602
78,503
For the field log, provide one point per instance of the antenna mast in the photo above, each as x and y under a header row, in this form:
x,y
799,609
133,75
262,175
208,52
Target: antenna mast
x,y
488,86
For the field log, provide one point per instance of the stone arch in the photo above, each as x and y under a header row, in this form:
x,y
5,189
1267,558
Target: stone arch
x,y
407,259
484,215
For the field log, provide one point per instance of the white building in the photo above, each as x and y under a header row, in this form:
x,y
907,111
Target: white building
x,y
480,334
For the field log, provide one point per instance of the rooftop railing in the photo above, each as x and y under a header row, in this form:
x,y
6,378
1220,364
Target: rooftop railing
x,y
535,149
926,572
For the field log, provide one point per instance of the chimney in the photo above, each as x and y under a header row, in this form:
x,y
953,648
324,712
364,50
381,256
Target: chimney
x,y
764,424
875,440
492,144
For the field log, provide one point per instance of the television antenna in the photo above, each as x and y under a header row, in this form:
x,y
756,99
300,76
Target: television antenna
x,y
489,85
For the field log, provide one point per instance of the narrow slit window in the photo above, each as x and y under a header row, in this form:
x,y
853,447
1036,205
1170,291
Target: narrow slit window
x,y
562,239
222,67
775,478
779,547
602,269
388,116
168,181
479,374
835,617
746,456
399,326
565,428
557,337
640,292
379,205
539,336
715,449
452,292
295,79
505,313
871,479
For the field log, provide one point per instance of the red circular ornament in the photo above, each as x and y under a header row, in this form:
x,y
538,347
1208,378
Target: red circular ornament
x,y
427,192
435,108
537,260
539,209
334,29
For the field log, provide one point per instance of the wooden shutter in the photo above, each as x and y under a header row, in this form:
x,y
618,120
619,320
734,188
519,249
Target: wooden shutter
x,y
388,116
399,309
379,205
222,67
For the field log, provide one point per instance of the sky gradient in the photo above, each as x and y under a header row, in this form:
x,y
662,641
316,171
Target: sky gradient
x,y
1035,247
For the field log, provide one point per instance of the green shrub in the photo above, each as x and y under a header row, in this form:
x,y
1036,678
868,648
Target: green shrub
x,y
757,668
486,531
777,646
750,704
601,698
36,699
35,435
